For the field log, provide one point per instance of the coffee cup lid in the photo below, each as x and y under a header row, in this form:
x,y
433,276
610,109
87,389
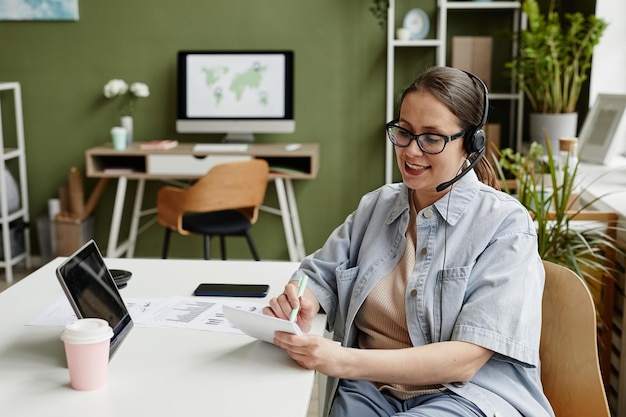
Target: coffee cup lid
x,y
85,331
118,129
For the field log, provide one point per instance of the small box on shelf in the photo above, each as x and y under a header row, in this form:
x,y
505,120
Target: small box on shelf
x,y
473,54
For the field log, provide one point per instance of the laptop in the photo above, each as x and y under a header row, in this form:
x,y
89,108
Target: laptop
x,y
92,292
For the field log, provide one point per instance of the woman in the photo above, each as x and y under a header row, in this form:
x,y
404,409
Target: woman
x,y
432,286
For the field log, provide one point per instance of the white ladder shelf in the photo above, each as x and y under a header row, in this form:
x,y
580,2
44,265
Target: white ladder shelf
x,y
15,151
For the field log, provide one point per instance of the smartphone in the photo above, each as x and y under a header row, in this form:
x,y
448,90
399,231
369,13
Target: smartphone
x,y
232,290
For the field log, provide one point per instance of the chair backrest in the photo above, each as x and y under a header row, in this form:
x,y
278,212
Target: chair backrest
x,y
570,370
231,185
237,185
603,289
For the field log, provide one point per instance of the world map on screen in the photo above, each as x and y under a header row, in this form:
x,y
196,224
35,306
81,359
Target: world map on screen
x,y
217,78
235,86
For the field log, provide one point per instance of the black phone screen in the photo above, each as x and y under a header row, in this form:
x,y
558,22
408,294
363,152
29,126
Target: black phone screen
x,y
232,290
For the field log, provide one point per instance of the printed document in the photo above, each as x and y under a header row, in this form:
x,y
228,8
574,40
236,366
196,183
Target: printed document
x,y
200,313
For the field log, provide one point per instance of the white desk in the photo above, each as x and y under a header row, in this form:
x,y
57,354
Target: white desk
x,y
605,185
156,371
183,162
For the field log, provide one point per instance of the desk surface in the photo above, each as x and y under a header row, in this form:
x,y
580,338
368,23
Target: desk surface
x,y
156,371
185,162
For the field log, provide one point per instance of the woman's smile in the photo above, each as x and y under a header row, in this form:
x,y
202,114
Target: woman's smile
x,y
414,169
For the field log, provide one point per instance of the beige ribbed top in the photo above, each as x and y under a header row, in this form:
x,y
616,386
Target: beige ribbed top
x,y
382,318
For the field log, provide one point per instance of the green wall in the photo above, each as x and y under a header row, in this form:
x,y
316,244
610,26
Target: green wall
x,y
340,89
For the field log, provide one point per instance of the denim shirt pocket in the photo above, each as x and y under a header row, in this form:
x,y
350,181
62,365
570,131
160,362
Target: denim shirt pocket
x,y
345,280
346,277
448,300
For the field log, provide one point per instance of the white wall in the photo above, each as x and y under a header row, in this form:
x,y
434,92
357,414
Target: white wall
x,y
608,70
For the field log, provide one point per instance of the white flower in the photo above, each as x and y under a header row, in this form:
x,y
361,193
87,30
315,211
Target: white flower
x,y
115,88
139,90
119,88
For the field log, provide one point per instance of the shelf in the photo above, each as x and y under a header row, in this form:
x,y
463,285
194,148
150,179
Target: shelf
x,y
12,92
418,43
440,43
482,5
504,96
11,153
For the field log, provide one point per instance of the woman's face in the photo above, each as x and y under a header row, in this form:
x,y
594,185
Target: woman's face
x,y
421,112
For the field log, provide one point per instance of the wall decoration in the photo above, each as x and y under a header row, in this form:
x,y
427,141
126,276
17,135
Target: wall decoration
x,y
417,21
604,132
38,9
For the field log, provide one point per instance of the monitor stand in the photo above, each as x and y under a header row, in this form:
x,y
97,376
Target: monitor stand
x,y
238,138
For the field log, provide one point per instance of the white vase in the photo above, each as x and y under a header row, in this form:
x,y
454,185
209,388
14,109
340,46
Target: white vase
x,y
127,123
557,125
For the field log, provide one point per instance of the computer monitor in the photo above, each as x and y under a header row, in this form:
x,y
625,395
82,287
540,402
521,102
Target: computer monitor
x,y
238,93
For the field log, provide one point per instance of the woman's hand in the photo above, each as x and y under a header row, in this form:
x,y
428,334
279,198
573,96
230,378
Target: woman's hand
x,y
282,306
314,352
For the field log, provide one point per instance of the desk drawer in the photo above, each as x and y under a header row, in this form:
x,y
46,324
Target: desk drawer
x,y
188,164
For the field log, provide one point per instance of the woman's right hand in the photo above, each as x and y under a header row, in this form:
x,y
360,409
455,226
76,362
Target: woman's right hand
x,y
282,306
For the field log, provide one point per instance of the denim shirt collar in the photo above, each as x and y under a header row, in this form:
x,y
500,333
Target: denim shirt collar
x,y
450,207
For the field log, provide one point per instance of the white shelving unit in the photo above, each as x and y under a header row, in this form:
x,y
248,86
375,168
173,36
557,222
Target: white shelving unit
x,y
440,44
15,152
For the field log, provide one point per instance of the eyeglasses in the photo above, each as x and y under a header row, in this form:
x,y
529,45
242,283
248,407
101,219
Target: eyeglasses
x,y
431,143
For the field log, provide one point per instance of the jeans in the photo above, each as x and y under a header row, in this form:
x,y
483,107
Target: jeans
x,y
362,399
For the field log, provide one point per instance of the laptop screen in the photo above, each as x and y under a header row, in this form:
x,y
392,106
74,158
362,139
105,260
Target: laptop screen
x,y
92,292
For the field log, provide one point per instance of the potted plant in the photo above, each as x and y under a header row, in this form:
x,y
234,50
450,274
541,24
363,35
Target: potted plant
x,y
546,185
554,62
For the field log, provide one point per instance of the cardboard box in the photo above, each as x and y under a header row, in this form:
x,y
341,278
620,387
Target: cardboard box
x,y
71,235
473,54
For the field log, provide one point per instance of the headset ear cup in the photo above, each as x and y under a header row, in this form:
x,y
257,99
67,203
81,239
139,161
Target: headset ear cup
x,y
474,141
479,140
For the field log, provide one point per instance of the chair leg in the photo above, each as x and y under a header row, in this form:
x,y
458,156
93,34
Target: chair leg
x,y
223,245
166,243
207,247
252,247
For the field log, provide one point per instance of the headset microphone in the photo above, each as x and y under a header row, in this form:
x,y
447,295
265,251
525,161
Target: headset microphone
x,y
446,184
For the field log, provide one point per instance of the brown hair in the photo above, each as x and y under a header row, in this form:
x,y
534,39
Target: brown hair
x,y
462,94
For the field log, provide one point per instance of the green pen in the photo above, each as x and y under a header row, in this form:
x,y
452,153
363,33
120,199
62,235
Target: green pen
x,y
301,288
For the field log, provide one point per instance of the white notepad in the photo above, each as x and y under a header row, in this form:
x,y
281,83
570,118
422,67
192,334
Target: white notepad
x,y
258,325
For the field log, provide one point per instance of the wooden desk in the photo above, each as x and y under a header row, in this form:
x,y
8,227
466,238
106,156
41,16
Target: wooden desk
x,y
156,371
183,162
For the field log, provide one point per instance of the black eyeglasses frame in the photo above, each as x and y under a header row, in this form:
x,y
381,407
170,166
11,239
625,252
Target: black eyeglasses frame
x,y
416,137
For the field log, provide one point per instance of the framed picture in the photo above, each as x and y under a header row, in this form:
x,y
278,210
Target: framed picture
x,y
38,10
603,134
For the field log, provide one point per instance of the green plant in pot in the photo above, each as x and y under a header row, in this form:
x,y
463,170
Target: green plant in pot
x,y
554,62
547,185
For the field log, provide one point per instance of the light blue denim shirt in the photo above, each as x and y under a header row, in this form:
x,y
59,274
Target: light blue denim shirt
x,y
478,278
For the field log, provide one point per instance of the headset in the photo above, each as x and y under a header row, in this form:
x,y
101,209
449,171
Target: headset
x,y
474,139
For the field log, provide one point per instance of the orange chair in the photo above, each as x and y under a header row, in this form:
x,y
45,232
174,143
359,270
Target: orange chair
x,y
570,370
224,202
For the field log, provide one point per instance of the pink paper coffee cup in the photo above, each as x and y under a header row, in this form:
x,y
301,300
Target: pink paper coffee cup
x,y
87,352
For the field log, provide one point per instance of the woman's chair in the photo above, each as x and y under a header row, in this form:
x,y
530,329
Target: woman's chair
x,y
570,370
224,202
